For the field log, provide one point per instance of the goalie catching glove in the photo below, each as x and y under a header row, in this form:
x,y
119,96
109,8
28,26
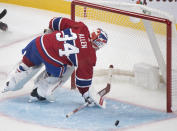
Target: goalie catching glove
x,y
93,98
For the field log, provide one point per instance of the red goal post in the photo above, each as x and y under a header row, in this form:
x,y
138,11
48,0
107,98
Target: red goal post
x,y
166,69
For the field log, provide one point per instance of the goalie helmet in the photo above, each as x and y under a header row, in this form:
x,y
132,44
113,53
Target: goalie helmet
x,y
99,38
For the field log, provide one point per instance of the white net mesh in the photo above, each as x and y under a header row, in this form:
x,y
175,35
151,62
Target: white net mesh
x,y
129,41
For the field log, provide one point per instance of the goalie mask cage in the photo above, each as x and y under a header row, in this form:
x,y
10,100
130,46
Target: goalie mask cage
x,y
159,28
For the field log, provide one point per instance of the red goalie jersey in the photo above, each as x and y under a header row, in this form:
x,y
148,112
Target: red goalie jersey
x,y
69,44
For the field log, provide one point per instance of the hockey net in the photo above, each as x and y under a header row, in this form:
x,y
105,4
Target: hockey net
x,y
142,42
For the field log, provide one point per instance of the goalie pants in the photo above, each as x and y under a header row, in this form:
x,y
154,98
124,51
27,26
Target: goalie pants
x,y
32,58
56,76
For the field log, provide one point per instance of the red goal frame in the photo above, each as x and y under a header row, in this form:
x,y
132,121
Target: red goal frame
x,y
142,16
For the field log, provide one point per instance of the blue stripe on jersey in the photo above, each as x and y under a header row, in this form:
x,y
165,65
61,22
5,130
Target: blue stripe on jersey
x,y
54,71
47,54
72,57
83,82
56,23
63,70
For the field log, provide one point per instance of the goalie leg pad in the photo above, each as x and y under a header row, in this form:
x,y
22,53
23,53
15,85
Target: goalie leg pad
x,y
47,84
44,85
19,77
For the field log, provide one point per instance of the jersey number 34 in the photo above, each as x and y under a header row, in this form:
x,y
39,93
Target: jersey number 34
x,y
68,48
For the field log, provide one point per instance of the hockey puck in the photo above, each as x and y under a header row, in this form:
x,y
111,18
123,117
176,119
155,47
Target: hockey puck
x,y
117,123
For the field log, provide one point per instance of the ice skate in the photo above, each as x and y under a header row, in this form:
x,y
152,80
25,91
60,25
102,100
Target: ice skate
x,y
34,96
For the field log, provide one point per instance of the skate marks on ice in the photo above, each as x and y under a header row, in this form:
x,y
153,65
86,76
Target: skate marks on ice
x,y
90,118
10,38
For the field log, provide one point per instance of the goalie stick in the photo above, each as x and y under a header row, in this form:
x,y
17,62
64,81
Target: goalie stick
x,y
102,93
3,13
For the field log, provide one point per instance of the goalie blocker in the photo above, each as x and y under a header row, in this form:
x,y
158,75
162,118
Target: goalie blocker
x,y
98,99
92,97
